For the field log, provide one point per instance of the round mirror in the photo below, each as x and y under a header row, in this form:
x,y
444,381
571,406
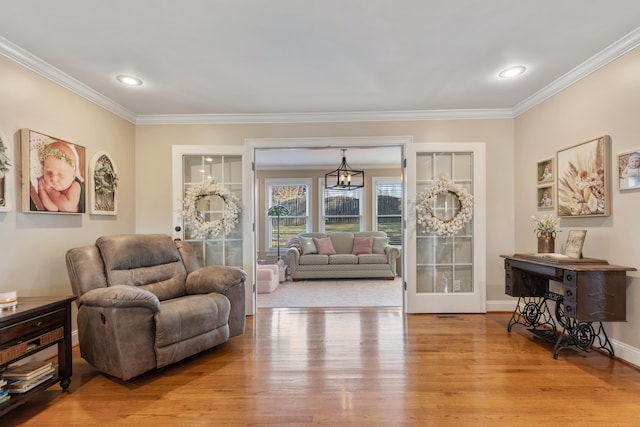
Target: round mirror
x,y
447,206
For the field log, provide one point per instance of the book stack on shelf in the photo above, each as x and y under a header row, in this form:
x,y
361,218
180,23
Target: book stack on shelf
x,y
4,391
22,378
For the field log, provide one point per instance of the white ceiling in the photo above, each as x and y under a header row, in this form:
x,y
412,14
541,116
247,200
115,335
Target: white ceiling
x,y
212,61
309,60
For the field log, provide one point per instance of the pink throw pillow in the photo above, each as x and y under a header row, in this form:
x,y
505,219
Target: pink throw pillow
x,y
362,245
324,245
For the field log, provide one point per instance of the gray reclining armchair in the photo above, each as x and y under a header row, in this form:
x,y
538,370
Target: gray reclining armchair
x,y
144,303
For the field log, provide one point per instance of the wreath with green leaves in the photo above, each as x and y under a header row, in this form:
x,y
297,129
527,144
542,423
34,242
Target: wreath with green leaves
x,y
105,178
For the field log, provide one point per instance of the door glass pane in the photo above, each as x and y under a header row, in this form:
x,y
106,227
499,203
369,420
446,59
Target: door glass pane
x,y
444,263
443,165
462,164
424,171
226,171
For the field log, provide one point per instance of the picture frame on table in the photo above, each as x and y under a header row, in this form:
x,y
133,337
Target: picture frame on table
x,y
546,173
546,195
629,170
53,174
583,179
574,244
7,168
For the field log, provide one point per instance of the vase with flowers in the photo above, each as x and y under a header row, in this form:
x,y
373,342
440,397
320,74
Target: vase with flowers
x,y
546,229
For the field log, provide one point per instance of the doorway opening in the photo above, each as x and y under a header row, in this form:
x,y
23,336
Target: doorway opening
x,y
294,176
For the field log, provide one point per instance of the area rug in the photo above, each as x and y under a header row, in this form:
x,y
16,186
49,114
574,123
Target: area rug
x,y
335,293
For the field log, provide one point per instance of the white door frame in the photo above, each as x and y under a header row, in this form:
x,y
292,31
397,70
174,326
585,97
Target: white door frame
x,y
472,302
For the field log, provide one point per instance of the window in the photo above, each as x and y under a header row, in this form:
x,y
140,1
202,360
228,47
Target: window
x,y
341,210
293,194
387,208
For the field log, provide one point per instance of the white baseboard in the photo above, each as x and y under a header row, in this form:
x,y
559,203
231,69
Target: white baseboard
x,y
501,305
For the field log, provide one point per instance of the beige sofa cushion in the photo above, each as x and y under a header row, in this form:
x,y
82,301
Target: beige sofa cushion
x,y
343,259
314,259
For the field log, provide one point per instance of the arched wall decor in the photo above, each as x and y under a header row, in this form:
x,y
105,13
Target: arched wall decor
x,y
103,182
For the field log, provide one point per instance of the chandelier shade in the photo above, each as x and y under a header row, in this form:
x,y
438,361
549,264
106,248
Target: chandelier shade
x,y
345,177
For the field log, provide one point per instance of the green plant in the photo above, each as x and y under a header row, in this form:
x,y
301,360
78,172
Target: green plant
x,y
546,224
4,159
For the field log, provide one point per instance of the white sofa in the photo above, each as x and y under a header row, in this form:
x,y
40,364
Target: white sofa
x,y
308,262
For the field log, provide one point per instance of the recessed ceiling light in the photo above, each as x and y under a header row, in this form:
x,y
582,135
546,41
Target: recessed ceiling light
x,y
129,80
512,71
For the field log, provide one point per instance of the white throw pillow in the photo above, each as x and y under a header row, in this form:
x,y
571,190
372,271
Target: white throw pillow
x,y
308,247
379,243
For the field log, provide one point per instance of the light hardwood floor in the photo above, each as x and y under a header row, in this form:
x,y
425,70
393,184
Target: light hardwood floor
x,y
364,367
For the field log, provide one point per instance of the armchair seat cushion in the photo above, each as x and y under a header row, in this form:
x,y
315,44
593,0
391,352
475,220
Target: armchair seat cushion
x,y
187,317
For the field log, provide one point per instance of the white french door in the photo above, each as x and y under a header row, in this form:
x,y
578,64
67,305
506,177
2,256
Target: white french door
x,y
445,274
229,166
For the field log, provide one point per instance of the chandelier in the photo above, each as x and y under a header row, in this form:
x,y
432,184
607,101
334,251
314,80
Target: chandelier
x,y
345,177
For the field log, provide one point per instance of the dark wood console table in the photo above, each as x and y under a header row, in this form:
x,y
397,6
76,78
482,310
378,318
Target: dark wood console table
x,y
590,291
35,324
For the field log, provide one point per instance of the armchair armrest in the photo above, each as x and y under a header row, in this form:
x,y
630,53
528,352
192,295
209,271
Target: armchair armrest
x,y
214,279
228,281
120,296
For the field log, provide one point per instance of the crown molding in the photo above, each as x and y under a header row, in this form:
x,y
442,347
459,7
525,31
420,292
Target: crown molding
x,y
358,116
37,65
599,60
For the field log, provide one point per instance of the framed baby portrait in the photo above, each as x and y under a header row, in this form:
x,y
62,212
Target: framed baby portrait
x,y
546,171
104,183
53,174
629,170
6,174
583,179
545,197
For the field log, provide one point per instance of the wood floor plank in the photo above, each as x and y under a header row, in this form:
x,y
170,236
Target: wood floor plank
x,y
365,367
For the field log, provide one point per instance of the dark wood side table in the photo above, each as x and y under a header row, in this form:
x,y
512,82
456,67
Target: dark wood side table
x,y
35,324
592,292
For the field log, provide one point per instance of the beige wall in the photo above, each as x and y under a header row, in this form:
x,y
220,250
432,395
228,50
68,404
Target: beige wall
x,y
153,167
606,102
32,245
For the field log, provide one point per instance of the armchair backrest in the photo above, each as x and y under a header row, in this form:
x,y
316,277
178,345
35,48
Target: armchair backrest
x,y
153,262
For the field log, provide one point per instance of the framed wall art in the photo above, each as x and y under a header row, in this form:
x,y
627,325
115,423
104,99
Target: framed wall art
x,y
6,174
546,171
583,179
53,174
104,183
629,170
545,198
